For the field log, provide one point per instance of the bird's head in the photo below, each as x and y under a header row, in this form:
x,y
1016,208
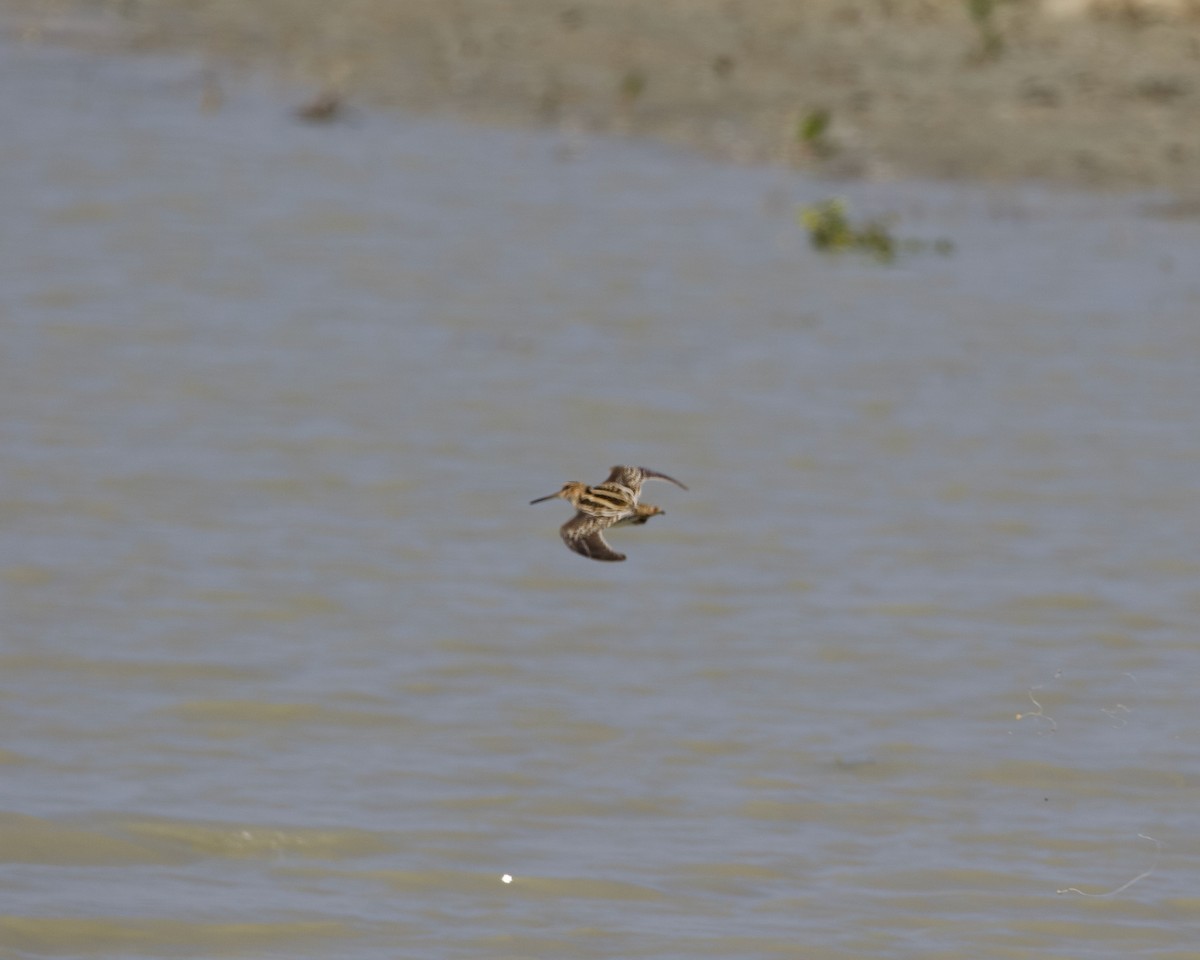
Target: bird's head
x,y
571,491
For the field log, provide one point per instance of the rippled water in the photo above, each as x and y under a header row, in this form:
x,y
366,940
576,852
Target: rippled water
x,y
289,668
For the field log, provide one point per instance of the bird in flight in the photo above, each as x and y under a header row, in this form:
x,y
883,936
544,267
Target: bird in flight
x,y
613,503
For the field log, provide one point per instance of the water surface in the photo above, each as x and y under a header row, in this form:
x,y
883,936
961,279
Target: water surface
x,y
288,667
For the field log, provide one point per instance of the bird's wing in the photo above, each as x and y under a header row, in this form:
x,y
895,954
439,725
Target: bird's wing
x,y
585,535
655,475
622,474
634,477
610,499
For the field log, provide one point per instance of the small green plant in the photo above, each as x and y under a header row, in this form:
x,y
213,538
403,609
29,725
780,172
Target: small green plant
x,y
813,130
632,86
991,43
830,231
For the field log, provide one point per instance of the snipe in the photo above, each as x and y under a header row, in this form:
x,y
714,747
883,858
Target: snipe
x,y
613,503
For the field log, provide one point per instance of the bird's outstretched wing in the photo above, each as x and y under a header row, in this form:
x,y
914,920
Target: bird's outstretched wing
x,y
655,475
585,535
634,477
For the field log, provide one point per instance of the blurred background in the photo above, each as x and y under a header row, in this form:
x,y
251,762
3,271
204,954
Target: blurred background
x,y
1102,93
289,667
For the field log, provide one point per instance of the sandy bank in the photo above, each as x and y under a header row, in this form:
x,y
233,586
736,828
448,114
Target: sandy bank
x,y
1106,99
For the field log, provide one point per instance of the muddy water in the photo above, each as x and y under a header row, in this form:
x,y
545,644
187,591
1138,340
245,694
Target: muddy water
x,y
289,668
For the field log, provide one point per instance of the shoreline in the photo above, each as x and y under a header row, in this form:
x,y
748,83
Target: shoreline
x,y
834,88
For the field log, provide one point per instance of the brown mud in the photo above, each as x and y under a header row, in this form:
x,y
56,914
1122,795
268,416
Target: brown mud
x,y
990,90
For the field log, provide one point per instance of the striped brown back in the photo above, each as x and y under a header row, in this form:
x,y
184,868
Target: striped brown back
x,y
607,500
